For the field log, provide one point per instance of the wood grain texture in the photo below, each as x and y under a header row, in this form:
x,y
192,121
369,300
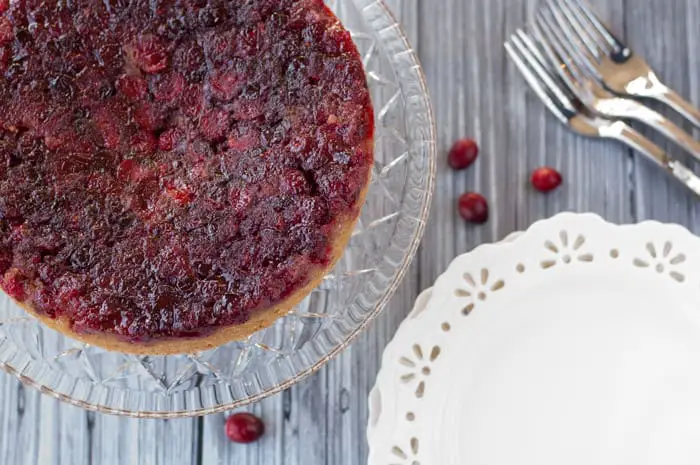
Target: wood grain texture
x,y
475,93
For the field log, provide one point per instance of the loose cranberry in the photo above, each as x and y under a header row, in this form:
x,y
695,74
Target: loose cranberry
x,y
463,153
4,5
546,179
189,59
244,428
474,208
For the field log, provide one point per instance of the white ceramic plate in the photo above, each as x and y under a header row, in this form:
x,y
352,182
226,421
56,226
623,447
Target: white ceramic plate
x,y
578,342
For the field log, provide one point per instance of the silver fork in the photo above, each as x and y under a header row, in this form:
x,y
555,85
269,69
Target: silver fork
x,y
570,110
622,71
565,53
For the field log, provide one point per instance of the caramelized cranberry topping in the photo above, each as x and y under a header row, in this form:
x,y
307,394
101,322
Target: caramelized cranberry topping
x,y
169,167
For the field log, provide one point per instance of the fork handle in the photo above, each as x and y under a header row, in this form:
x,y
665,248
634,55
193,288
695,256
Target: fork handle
x,y
632,109
678,103
650,86
624,133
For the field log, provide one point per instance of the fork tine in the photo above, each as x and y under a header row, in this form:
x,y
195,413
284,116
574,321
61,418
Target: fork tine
x,y
553,58
538,79
565,18
536,85
564,35
612,40
552,79
585,26
555,47
528,42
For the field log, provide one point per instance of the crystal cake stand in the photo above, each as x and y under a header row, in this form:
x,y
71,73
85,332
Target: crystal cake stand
x,y
376,259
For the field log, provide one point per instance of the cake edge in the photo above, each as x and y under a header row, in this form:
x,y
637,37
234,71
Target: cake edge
x,y
259,320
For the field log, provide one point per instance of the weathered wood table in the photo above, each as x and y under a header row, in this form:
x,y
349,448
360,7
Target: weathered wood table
x,y
477,93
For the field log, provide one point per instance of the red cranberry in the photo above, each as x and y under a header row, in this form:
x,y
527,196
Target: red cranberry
x,y
144,142
244,428
4,6
298,144
243,142
126,169
546,179
241,199
133,87
463,153
474,208
7,33
14,287
192,100
108,126
169,139
246,110
147,117
214,124
5,56
183,196
150,54
225,86
170,88
293,183
5,263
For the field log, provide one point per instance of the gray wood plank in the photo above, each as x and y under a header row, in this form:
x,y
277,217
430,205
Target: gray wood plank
x,y
18,429
117,441
666,33
476,93
692,21
64,434
39,430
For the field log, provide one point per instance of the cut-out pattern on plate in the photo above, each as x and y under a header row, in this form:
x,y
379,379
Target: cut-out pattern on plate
x,y
418,365
477,289
565,250
663,260
406,455
581,247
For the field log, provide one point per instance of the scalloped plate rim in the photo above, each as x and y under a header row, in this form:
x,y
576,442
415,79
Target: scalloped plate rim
x,y
427,298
